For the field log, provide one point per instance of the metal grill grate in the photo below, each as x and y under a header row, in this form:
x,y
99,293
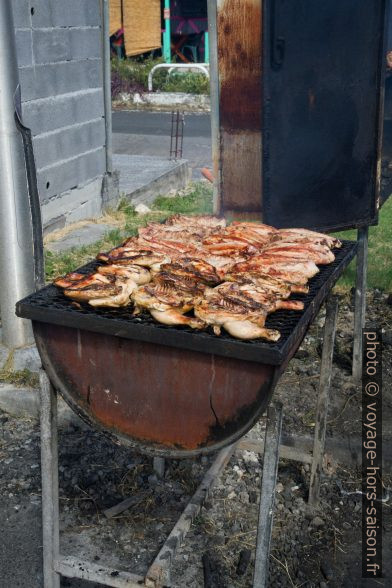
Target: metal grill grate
x,y
51,306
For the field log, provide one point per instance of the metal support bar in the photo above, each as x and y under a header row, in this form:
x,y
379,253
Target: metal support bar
x,y
49,473
167,33
107,85
159,572
72,567
214,97
323,399
267,498
159,466
285,451
206,47
16,241
360,301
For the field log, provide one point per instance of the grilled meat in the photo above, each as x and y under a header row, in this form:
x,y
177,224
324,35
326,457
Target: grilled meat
x,y
137,273
241,316
126,256
111,286
167,299
303,235
206,223
193,269
265,282
320,254
173,268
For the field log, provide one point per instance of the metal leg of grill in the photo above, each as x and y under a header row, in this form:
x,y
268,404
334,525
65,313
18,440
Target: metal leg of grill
x,y
267,497
360,300
323,399
49,469
159,466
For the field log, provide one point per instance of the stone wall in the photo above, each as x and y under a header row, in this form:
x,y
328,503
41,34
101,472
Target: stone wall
x,y
59,48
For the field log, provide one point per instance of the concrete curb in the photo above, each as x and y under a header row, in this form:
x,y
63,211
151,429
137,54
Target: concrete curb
x,y
142,178
164,101
174,179
24,403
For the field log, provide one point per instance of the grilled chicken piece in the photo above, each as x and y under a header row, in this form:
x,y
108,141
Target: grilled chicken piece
x,y
255,234
125,257
266,282
111,288
69,280
260,228
194,270
207,223
228,245
303,234
137,273
166,303
122,298
320,254
238,315
170,247
292,271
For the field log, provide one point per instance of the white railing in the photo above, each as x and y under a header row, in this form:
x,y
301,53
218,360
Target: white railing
x,y
203,67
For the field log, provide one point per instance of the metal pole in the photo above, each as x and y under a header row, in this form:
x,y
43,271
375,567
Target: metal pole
x,y
360,301
50,483
267,497
206,47
16,241
323,399
167,33
107,85
214,92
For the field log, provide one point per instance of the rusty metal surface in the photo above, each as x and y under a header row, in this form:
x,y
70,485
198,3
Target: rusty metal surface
x,y
239,40
153,397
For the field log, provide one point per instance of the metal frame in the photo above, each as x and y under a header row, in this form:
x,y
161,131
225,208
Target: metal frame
x,y
158,574
360,300
203,67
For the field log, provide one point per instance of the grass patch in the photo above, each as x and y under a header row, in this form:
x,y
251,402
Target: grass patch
x,y
131,75
21,378
380,254
198,201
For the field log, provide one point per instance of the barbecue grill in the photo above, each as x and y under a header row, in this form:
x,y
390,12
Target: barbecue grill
x,y
165,390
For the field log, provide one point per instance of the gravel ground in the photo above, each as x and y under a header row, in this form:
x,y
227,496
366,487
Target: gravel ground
x,y
310,547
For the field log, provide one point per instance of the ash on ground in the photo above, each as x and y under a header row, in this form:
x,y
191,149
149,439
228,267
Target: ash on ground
x,y
316,547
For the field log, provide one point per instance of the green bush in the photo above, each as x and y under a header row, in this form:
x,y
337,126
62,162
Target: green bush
x,y
131,75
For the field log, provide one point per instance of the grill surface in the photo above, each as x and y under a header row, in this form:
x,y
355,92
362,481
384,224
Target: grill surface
x,y
49,305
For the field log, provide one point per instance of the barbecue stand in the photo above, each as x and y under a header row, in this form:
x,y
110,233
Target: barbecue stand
x,y
233,382
158,574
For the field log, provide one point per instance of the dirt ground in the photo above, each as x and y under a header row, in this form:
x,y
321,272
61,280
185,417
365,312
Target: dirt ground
x,y
310,547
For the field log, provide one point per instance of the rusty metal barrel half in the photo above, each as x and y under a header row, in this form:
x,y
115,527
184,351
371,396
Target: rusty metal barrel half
x,y
157,399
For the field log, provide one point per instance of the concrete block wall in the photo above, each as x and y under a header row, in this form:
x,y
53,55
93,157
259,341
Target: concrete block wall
x,y
59,48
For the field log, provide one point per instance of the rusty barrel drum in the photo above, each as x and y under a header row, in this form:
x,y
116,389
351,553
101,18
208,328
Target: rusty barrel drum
x,y
162,400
